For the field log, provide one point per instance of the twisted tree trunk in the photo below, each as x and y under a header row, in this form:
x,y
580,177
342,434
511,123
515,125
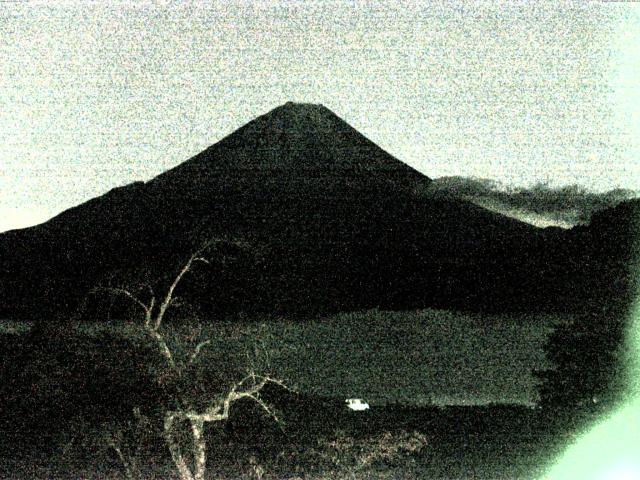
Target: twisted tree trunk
x,y
191,467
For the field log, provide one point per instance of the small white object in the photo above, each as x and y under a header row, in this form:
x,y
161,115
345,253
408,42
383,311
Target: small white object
x,y
357,404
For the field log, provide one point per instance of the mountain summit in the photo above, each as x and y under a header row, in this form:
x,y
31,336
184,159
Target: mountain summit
x,y
298,136
292,144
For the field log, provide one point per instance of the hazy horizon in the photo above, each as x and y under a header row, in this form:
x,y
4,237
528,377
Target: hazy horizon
x,y
96,96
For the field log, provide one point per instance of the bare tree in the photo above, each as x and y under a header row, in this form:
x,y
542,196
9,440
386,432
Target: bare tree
x,y
193,466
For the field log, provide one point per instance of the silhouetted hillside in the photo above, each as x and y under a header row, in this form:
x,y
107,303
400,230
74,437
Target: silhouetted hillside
x,y
328,221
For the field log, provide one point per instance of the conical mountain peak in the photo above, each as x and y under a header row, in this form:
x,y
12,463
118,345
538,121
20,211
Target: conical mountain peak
x,y
300,141
302,106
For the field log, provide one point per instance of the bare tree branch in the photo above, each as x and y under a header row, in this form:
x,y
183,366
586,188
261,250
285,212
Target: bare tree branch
x,y
192,467
168,297
129,468
199,449
147,318
265,407
195,257
174,447
126,293
221,410
150,288
164,348
196,351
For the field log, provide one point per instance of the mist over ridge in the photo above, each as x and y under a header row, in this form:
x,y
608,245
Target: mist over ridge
x,y
541,204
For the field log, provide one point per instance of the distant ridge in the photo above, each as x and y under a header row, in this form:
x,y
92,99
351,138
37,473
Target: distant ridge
x,y
328,222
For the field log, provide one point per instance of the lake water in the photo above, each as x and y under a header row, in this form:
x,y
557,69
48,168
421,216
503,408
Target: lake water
x,y
419,358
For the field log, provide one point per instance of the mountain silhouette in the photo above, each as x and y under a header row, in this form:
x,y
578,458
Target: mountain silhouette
x,y
320,219
297,146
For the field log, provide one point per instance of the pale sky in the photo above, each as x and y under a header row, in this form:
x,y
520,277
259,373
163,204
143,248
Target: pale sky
x,y
97,95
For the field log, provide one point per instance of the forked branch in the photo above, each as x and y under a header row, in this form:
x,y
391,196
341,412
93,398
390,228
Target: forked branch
x,y
249,387
148,309
215,413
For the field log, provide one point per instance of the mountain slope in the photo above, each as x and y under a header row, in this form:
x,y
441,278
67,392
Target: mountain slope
x,y
297,139
329,222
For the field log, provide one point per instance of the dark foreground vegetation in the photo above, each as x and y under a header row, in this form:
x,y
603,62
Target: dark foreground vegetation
x,y
90,406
